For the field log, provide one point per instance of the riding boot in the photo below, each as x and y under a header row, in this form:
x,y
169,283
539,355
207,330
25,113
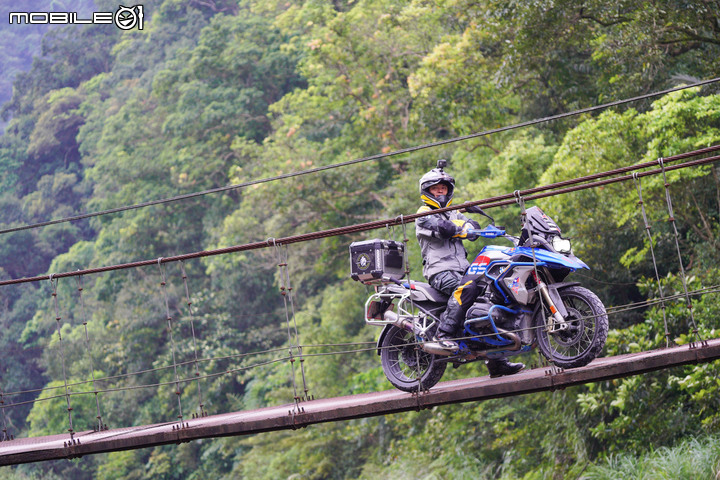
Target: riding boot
x,y
448,326
502,367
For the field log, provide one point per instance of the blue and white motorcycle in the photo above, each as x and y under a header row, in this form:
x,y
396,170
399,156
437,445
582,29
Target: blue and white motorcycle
x,y
525,302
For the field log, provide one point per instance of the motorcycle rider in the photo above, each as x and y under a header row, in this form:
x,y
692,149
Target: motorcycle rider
x,y
445,260
444,255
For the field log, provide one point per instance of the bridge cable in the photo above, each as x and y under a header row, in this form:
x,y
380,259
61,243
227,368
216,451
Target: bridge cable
x,y
421,389
163,284
558,188
417,370
202,412
100,425
635,176
553,369
671,218
5,435
290,357
286,293
714,289
378,156
652,254
58,319
283,249
142,372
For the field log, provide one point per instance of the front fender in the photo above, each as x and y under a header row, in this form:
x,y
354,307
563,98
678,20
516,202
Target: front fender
x,y
550,258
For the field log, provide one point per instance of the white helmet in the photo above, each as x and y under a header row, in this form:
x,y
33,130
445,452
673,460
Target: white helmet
x,y
434,177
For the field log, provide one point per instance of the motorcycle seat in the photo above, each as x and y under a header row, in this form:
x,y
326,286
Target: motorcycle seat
x,y
433,295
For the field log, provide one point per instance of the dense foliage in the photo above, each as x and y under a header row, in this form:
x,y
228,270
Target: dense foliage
x,y
218,92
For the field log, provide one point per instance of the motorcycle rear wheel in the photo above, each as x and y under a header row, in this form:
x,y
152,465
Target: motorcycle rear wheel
x,y
406,366
586,334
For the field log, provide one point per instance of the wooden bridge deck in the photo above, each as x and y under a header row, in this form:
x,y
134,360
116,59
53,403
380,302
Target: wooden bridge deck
x,y
285,417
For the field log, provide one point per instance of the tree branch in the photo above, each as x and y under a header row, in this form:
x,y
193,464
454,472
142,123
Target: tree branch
x,y
693,36
609,23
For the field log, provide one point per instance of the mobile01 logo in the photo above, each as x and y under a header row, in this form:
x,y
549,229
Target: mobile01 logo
x,y
124,18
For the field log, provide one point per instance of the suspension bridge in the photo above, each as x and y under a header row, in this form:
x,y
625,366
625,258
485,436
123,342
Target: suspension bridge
x,y
293,416
304,410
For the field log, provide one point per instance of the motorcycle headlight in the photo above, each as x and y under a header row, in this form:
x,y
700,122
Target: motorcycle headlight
x,y
561,245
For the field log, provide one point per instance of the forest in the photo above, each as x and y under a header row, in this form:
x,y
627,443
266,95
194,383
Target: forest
x,y
214,93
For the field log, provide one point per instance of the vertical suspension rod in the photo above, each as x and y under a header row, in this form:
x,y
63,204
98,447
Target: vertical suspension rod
x,y
5,435
283,292
58,320
671,218
298,346
195,349
638,186
100,425
163,284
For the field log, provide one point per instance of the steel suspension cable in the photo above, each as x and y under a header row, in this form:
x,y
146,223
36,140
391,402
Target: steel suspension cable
x,y
371,347
151,370
5,434
362,159
404,219
58,320
652,255
671,218
610,310
100,425
558,188
285,292
291,299
178,393
201,405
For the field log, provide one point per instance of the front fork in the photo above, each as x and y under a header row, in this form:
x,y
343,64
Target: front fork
x,y
556,322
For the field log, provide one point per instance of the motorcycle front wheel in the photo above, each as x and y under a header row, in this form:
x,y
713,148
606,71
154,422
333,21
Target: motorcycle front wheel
x,y
584,338
406,366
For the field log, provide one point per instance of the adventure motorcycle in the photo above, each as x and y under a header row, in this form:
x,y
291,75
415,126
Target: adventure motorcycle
x,y
524,302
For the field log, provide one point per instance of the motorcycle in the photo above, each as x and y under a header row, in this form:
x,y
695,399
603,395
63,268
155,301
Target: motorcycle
x,y
525,302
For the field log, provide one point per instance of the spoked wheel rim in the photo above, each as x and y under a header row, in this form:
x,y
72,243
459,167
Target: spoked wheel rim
x,y
405,364
574,335
406,359
579,336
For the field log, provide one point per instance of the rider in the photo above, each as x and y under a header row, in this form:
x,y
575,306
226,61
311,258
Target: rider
x,y
444,255
445,260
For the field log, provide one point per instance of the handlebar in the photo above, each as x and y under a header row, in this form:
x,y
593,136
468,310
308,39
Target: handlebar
x,y
490,231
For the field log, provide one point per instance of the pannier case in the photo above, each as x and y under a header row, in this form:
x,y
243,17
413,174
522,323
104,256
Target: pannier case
x,y
371,259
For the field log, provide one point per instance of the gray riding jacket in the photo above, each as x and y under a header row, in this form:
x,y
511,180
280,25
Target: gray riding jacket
x,y
440,254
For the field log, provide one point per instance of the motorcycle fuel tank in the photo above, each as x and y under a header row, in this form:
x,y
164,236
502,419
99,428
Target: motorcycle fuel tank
x,y
488,254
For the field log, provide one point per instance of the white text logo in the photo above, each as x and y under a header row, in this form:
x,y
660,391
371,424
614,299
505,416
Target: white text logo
x,y
125,18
